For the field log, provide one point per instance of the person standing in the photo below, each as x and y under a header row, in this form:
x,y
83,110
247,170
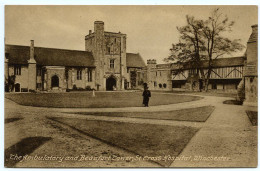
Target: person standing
x,y
146,96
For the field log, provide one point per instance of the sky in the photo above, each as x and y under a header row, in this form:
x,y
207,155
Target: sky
x,y
150,29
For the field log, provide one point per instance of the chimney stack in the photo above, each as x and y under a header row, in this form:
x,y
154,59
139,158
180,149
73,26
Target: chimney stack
x,y
32,50
99,26
254,35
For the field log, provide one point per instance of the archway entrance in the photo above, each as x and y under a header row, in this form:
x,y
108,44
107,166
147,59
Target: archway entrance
x,y
54,81
110,83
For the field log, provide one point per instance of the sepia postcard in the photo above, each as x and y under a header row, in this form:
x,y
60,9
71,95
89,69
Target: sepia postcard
x,y
137,86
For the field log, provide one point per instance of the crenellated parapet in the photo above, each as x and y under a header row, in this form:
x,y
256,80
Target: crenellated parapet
x,y
151,61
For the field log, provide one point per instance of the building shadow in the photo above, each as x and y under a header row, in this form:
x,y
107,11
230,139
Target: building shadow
x,y
8,120
22,148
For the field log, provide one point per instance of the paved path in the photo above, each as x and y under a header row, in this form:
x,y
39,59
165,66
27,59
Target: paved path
x,y
227,133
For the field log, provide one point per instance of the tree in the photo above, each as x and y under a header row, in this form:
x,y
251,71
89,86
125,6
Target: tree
x,y
9,83
202,40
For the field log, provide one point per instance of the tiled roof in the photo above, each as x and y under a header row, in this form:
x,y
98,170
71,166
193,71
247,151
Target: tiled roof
x,y
134,60
217,63
225,62
49,56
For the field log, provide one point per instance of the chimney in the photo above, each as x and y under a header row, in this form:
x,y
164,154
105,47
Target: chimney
x,y
99,26
254,35
32,50
90,31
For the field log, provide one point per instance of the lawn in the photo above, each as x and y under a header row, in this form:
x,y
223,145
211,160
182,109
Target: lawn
x,y
101,100
146,140
208,93
233,102
199,114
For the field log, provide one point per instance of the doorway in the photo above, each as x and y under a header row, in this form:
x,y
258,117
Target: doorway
x,y
54,81
17,87
110,83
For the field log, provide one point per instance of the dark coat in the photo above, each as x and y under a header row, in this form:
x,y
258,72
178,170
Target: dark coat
x,y
146,95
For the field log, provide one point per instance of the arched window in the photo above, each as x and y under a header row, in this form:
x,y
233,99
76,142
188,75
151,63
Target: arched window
x,y
164,85
160,85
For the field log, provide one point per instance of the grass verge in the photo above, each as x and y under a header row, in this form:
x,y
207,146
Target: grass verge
x,y
152,142
233,102
252,115
199,114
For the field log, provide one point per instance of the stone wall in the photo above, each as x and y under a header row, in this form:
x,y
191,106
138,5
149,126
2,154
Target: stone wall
x,y
251,75
21,79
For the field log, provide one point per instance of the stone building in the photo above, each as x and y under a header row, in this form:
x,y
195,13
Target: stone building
x,y
226,75
251,75
104,65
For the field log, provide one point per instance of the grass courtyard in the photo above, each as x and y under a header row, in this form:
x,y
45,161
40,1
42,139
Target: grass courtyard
x,y
188,131
101,99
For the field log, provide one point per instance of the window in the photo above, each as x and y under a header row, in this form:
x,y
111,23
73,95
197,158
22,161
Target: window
x,y
79,74
39,72
108,49
160,85
214,86
89,75
160,73
155,84
17,70
112,63
164,85
7,55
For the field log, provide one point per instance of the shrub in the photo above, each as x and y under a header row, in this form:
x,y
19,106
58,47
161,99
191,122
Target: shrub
x,y
80,89
32,91
24,89
88,88
241,91
74,87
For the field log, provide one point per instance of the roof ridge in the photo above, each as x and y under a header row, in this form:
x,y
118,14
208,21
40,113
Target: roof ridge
x,y
48,48
133,53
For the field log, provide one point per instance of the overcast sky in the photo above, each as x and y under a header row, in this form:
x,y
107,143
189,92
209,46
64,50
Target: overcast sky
x,y
150,29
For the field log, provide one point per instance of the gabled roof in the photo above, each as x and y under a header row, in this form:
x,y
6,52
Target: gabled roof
x,y
49,56
134,60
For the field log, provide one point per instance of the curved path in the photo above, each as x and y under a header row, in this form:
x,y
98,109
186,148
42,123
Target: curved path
x,y
227,132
